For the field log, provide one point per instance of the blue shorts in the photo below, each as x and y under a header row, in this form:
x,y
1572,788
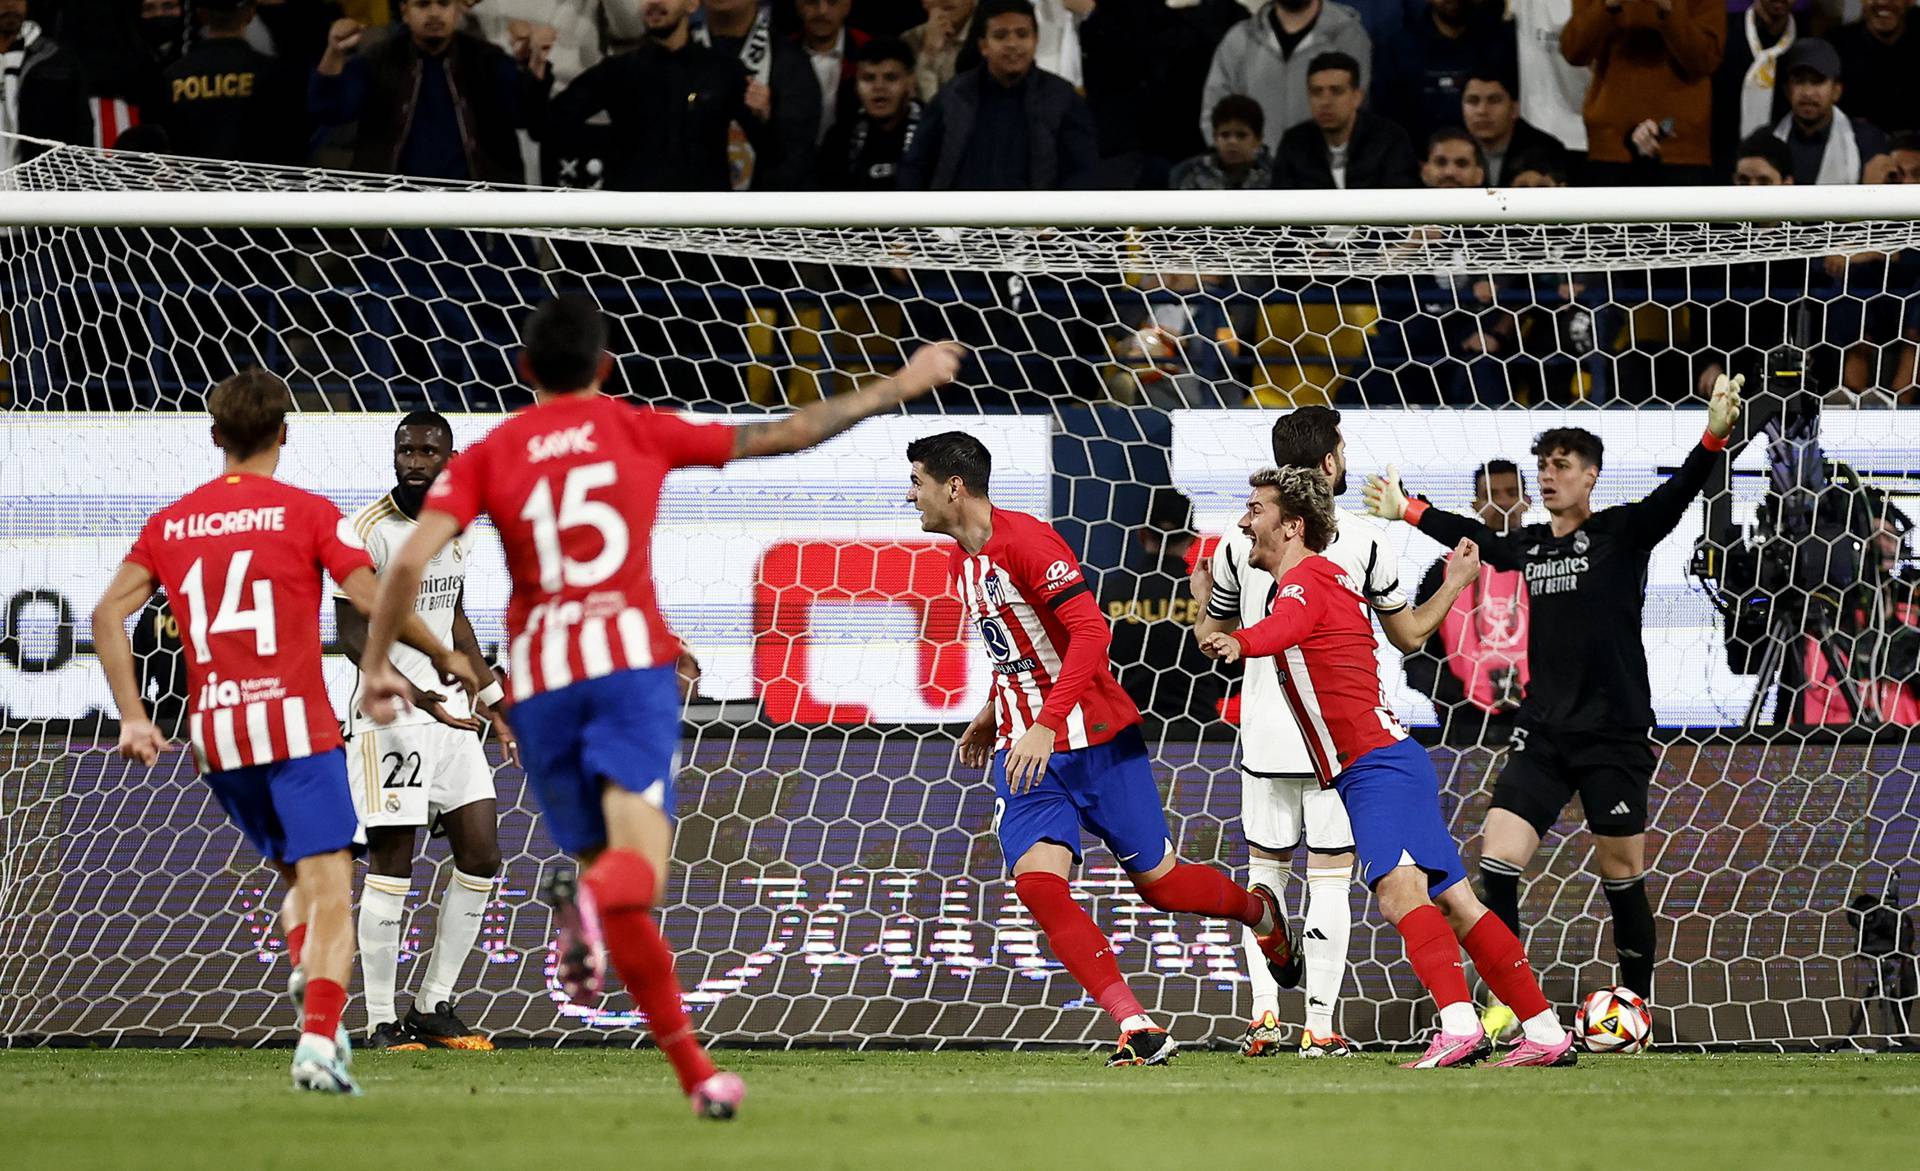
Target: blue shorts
x,y
1393,800
622,729
1107,788
292,809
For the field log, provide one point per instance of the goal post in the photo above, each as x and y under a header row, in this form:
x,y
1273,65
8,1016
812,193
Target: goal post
x,y
837,876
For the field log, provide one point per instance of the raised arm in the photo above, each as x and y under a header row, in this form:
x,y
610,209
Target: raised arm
x,y
1649,521
1387,500
132,584
1408,629
1216,592
817,422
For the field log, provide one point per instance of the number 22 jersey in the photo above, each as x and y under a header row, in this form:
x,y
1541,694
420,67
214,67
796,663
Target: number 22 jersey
x,y
240,558
573,486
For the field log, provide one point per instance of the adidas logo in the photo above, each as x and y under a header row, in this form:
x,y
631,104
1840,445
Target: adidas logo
x,y
1315,933
1620,809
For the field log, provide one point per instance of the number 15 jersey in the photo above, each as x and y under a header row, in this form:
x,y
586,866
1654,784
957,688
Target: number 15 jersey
x,y
573,485
240,558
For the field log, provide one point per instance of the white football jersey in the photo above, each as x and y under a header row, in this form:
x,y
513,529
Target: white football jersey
x,y
1270,739
383,528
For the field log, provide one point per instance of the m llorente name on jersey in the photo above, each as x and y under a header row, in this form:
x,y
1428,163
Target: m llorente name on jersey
x,y
1558,573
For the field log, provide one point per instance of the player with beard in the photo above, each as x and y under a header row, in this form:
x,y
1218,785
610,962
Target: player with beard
x,y
423,769
1281,803
1584,724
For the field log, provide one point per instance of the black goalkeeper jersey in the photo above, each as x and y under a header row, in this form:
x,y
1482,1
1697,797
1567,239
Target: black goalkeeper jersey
x,y
1585,594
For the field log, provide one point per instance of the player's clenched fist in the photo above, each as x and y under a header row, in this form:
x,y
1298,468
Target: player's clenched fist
x,y
929,367
344,36
1384,496
1723,405
1464,566
1222,646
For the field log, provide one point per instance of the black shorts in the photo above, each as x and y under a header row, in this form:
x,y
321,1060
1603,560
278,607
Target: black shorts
x,y
1612,773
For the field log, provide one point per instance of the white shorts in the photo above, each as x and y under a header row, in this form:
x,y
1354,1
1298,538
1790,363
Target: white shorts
x,y
419,772
1275,810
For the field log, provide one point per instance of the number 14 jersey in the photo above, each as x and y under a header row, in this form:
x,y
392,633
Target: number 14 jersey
x,y
240,558
573,486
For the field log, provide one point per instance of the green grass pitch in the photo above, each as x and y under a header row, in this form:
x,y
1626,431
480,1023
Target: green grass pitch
x,y
981,1111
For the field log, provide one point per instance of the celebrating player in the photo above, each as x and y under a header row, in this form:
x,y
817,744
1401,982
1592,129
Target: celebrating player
x,y
241,558
425,768
573,483
1583,724
1280,799
1064,738
1319,626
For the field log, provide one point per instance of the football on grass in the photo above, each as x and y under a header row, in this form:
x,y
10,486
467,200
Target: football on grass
x,y
1614,1020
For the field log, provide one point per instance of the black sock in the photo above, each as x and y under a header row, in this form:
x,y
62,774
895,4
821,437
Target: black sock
x,y
1633,934
1500,890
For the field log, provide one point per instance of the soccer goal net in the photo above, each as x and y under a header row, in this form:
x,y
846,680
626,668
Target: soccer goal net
x,y
838,879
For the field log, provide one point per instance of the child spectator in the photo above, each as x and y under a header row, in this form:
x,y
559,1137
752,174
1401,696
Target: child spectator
x,y
1238,160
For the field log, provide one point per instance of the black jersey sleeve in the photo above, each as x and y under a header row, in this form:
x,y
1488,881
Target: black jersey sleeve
x,y
1501,552
1648,522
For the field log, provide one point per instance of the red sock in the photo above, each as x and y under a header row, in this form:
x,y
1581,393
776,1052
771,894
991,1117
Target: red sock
x,y
623,886
1203,890
1502,963
1078,941
296,943
1435,954
326,1001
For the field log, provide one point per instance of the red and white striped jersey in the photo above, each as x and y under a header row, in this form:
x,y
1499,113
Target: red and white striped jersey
x,y
241,558
573,485
1045,633
1320,632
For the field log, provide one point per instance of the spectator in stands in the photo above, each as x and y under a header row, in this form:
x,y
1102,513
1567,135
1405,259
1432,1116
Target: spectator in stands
x,y
1828,145
936,44
1004,126
1453,159
1150,607
1424,71
1553,90
293,32
1474,668
119,48
862,152
44,95
227,100
1342,145
571,30
1880,57
1266,57
1538,170
1746,97
1239,159
432,101
662,141
1904,148
1649,109
1492,116
1146,65
832,49
1762,161
1733,332
781,91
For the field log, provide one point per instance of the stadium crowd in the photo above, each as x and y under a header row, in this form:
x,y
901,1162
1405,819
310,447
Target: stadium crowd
x,y
1022,95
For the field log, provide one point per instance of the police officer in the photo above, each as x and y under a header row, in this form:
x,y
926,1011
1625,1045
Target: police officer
x,y
227,100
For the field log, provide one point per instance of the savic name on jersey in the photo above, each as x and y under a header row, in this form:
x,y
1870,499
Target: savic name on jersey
x,y
1271,741
383,529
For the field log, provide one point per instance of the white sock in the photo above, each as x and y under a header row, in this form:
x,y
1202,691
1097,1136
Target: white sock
x,y
1329,926
1543,1028
461,912
1458,1020
383,908
1138,1020
1266,994
321,1047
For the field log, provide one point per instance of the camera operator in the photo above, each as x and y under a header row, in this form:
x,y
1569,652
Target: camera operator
x,y
1583,725
1885,655
1474,668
